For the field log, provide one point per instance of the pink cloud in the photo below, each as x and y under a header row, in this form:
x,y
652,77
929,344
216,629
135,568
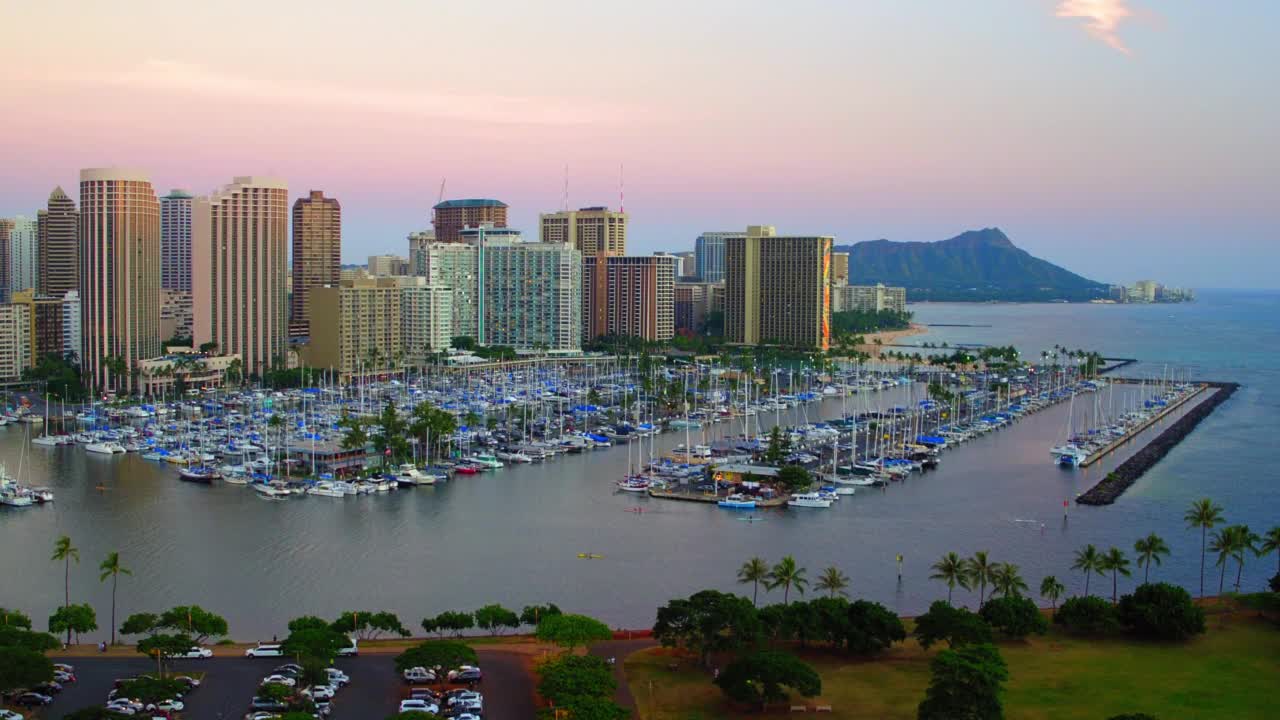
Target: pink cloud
x,y
1102,18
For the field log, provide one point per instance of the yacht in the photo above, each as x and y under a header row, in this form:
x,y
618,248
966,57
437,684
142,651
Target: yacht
x,y
324,488
738,501
107,447
199,474
633,484
1069,455
808,500
46,441
409,474
486,461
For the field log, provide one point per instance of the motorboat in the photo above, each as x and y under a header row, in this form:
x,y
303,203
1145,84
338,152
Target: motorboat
x,y
737,501
46,441
808,500
409,474
325,488
108,447
486,461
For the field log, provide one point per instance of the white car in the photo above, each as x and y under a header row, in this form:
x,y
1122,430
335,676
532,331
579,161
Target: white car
x,y
337,678
279,680
197,652
170,705
264,651
321,692
122,708
419,706
467,697
9,715
419,674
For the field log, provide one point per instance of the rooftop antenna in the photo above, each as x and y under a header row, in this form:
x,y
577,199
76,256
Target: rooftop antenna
x,y
622,190
565,200
439,199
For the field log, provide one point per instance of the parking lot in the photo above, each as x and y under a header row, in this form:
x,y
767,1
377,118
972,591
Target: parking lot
x,y
229,683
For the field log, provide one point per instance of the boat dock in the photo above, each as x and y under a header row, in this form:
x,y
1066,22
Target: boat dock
x,y
704,497
1121,441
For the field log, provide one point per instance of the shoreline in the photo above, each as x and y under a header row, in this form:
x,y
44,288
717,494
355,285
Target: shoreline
x,y
890,337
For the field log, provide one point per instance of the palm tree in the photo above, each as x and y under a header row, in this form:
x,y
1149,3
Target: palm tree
x,y
754,571
1088,561
1223,544
1052,589
981,572
1203,514
952,570
65,552
1117,564
786,575
1007,580
833,581
1149,549
111,568
1242,540
1271,544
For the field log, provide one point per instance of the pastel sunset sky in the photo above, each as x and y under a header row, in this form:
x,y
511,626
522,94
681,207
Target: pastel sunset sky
x,y
1123,139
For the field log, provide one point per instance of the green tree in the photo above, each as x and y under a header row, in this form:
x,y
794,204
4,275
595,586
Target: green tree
x,y
1089,561
952,570
1007,581
1223,544
572,676
494,617
956,626
1203,515
794,478
572,631
1270,543
706,622
195,621
164,646
1087,615
368,624
965,683
532,615
754,571
15,636
786,575
1161,611
14,619
457,622
111,568
981,571
1051,588
438,656
872,628
314,644
64,552
356,437
22,667
1014,615
140,623
778,448
1148,550
589,707
73,619
764,676
1115,562
833,581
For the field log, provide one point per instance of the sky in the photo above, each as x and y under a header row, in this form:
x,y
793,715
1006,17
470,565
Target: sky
x,y
1118,138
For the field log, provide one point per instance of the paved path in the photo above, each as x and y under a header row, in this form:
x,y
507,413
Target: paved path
x,y
229,683
619,650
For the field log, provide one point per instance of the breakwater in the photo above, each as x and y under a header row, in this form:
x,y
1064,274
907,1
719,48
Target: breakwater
x,y
1123,477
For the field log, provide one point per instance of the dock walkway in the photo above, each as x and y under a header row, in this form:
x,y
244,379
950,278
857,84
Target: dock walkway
x,y
1118,442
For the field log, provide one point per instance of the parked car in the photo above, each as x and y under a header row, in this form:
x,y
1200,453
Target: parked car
x,y
49,687
169,705
187,680
466,675
197,652
279,680
351,650
419,674
415,705
337,678
261,703
10,715
272,650
32,699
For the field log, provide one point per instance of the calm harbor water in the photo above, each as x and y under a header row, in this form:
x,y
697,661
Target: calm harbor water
x,y
512,536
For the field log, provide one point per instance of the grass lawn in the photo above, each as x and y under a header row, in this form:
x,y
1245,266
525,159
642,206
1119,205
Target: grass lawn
x,y
1230,672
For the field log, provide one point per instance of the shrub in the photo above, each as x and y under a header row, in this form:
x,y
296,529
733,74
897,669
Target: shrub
x,y
872,628
965,683
1087,616
1015,616
759,678
1160,611
573,676
956,626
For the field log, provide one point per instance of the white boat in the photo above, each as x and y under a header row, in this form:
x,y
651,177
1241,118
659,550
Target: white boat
x,y
269,490
409,474
46,441
324,488
105,448
737,501
808,500
633,484
486,461
1069,455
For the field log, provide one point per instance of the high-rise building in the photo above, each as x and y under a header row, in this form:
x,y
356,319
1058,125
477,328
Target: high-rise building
x,y
355,327
24,255
387,265
530,295
45,322
59,239
868,298
454,266
839,268
119,274
418,243
708,255
451,216
598,233
71,329
426,319
693,301
175,314
317,252
15,340
175,241
778,289
240,251
639,299
6,230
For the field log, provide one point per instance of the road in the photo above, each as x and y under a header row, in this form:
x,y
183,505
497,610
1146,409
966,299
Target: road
x,y
229,683
619,650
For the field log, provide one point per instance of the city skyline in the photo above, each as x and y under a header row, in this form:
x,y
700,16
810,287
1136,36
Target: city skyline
x,y
1104,145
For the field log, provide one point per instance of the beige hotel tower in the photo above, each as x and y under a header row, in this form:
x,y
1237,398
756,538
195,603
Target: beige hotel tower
x,y
778,289
119,274
239,271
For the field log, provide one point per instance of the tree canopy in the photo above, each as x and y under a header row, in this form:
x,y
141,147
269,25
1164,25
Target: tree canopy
x,y
706,622
22,667
437,655
572,631
956,626
760,677
965,682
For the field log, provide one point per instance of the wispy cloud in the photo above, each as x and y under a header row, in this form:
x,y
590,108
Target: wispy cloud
x,y
182,78
1102,18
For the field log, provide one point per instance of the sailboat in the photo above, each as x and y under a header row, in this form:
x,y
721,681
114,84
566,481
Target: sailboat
x,y
46,440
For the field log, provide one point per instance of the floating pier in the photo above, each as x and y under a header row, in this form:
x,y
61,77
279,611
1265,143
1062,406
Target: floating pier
x,y
1118,442
1124,476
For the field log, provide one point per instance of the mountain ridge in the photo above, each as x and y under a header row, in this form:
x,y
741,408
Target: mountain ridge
x,y
976,265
